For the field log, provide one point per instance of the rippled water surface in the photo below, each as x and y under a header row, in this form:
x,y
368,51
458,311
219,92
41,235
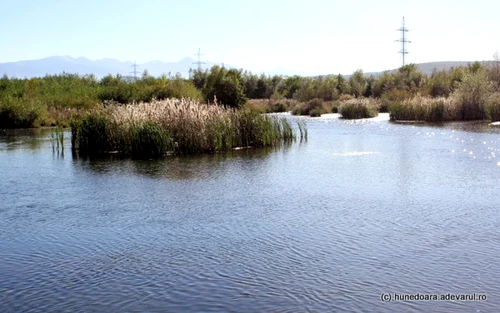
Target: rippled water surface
x,y
363,208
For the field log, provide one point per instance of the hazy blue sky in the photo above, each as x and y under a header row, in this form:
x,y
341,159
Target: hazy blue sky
x,y
315,36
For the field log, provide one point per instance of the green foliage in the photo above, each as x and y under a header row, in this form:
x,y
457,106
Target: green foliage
x,y
392,96
319,87
493,107
53,100
94,134
115,88
40,101
472,93
357,83
383,84
290,86
224,86
150,140
439,84
306,108
343,86
21,113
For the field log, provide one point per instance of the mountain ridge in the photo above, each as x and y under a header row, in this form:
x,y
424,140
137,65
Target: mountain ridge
x,y
80,65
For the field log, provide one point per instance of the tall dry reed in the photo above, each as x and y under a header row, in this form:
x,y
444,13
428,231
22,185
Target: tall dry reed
x,y
175,126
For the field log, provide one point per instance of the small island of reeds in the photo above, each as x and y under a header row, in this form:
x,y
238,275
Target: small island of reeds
x,y
173,126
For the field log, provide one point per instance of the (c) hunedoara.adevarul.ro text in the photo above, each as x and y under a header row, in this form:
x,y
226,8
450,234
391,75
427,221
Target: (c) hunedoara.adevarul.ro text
x,y
402,297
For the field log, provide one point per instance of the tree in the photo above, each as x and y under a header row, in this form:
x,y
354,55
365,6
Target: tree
x,y
472,93
225,86
357,83
494,71
342,85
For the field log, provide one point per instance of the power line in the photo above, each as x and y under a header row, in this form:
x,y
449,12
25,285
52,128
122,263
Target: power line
x,y
403,40
199,63
135,66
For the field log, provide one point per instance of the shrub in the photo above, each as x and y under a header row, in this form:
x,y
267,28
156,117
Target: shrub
x,y
21,113
472,94
277,107
306,108
358,108
315,113
493,107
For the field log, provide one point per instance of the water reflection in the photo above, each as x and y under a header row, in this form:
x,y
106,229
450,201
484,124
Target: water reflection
x,y
32,139
466,126
198,167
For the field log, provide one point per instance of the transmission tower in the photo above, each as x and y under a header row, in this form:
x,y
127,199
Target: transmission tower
x,y
403,40
135,66
199,63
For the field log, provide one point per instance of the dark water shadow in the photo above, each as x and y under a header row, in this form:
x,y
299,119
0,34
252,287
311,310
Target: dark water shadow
x,y
197,167
30,138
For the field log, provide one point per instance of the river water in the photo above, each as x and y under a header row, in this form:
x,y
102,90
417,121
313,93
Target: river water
x,y
363,208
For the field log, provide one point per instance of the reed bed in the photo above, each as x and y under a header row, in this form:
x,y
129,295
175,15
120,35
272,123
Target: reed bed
x,y
426,109
358,108
175,126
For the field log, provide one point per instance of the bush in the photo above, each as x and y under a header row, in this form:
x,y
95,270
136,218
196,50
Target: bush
x,y
315,113
20,113
472,94
493,107
392,96
358,108
306,108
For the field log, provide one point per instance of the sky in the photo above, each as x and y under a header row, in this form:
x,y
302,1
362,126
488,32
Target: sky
x,y
310,36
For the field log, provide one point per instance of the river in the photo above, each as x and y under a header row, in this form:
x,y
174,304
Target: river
x,y
363,208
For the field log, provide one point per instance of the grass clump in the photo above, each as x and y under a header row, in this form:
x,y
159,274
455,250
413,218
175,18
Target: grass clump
x,y
358,108
176,127
94,134
150,140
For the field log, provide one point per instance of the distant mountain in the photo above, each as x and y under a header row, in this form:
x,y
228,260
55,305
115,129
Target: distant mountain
x,y
429,67
100,68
